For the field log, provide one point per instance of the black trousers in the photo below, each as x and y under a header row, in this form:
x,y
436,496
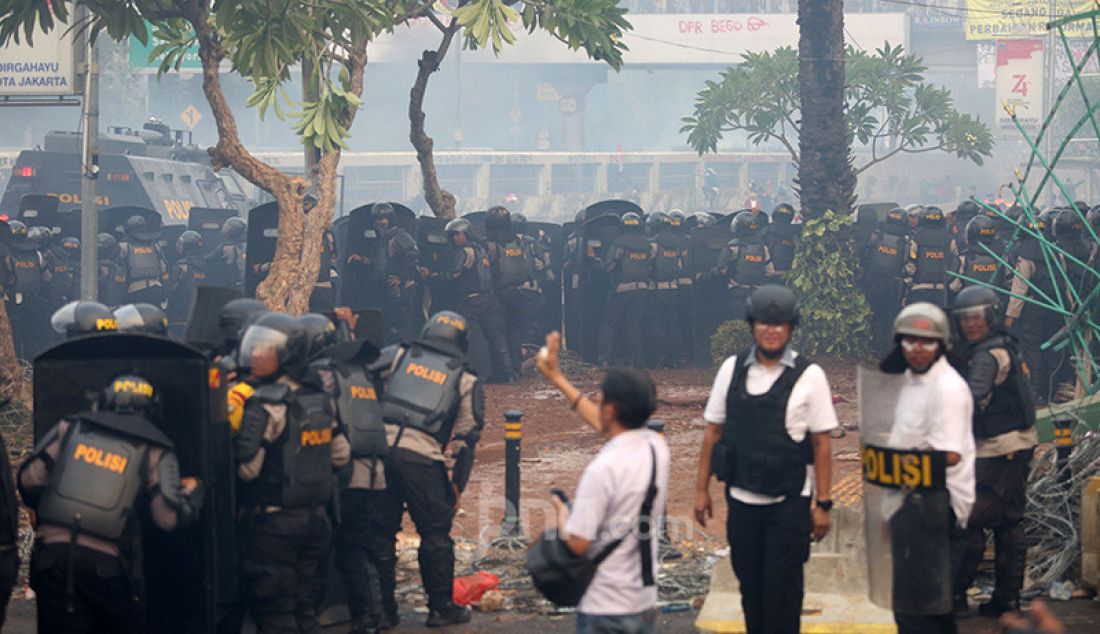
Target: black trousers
x,y
366,554
685,326
665,322
422,485
282,568
999,507
398,306
102,599
534,321
511,308
1035,328
930,295
9,574
484,310
621,333
769,544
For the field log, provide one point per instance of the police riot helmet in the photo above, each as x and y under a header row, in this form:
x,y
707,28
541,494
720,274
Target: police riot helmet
x,y
656,221
273,342
783,214
129,394
922,319
678,219
519,224
446,331
106,246
745,223
39,236
234,228
914,213
18,229
189,243
383,210
319,333
142,318
703,219
136,224
631,222
972,301
1068,226
1044,222
458,225
931,216
498,224
70,245
897,217
772,304
981,230
83,318
235,316
966,210
1015,213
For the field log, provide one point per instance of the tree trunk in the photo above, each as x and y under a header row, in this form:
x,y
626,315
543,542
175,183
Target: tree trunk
x,y
825,176
11,373
441,201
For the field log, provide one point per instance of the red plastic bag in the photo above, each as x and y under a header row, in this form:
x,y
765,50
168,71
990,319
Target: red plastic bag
x,y
469,589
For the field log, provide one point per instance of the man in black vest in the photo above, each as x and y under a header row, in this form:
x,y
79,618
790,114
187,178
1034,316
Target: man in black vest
x,y
400,264
975,262
883,260
83,481
188,273
929,257
226,263
745,263
431,403
782,238
144,263
668,268
28,301
1004,418
769,413
63,260
364,554
511,269
630,265
112,275
287,448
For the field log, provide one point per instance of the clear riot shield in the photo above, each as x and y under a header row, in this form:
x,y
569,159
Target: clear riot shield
x,y
907,509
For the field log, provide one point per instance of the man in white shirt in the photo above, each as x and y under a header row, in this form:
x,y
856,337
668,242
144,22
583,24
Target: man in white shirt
x,y
933,413
769,416
622,597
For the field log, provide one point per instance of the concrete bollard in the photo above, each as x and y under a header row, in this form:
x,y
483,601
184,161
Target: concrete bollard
x,y
513,435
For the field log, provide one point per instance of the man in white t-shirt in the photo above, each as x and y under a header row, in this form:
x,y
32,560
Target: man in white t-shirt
x,y
933,413
767,437
622,597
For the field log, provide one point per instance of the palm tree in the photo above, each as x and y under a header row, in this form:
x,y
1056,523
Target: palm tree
x,y
825,176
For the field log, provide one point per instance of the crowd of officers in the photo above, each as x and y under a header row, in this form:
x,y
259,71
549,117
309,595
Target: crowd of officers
x,y
332,440
920,253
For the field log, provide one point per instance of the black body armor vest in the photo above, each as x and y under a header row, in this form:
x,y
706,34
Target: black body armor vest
x,y
423,392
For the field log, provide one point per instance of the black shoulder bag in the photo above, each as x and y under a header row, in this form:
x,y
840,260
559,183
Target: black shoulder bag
x,y
563,577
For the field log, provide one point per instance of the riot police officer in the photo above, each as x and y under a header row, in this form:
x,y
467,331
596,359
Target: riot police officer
x,y
226,262
472,276
782,238
964,213
286,450
884,267
1003,424
431,403
1035,324
1069,235
668,268
83,480
400,263
928,261
685,286
532,292
364,553
63,260
112,277
80,318
630,265
511,269
188,273
975,262
144,263
745,263
323,297
142,318
28,303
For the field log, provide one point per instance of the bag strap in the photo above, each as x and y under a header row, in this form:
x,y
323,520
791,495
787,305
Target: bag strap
x,y
645,523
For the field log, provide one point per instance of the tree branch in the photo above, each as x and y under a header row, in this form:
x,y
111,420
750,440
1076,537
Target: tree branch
x,y
441,201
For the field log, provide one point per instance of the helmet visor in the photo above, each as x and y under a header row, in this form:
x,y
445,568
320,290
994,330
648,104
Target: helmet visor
x,y
129,318
63,318
261,349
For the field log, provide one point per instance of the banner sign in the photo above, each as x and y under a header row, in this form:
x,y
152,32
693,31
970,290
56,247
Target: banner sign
x,y
47,69
139,54
1020,82
1000,19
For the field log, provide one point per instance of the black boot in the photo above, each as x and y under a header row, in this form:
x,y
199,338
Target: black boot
x,y
452,615
994,609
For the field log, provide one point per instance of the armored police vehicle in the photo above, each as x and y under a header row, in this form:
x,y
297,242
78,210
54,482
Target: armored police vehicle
x,y
155,167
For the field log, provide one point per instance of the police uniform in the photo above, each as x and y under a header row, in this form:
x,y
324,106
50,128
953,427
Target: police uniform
x,y
927,264
364,549
286,451
473,281
1003,424
28,299
511,269
83,481
402,261
630,266
668,270
532,292
745,264
188,273
431,402
145,269
226,264
1035,324
63,261
884,260
323,297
